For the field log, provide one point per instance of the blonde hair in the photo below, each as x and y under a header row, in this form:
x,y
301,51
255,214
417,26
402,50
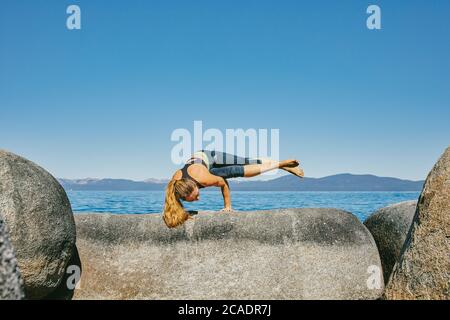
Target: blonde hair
x,y
174,213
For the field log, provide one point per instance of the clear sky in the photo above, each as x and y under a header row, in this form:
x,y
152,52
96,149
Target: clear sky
x,y
103,101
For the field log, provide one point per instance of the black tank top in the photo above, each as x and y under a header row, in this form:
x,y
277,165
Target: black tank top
x,y
186,175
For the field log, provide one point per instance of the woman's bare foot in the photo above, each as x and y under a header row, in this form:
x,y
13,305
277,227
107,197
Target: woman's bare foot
x,y
295,171
291,163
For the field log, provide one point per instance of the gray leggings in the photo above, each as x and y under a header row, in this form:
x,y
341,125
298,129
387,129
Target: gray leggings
x,y
227,165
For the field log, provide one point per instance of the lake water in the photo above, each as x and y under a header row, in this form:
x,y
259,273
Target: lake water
x,y
362,204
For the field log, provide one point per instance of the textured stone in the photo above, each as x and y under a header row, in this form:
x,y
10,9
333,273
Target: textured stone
x,y
71,278
389,227
11,284
423,271
40,221
274,254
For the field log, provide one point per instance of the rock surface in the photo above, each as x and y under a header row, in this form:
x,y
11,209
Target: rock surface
x,y
274,254
424,269
389,227
11,284
70,280
40,222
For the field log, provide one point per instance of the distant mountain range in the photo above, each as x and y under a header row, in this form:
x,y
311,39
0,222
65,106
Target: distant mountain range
x,y
338,182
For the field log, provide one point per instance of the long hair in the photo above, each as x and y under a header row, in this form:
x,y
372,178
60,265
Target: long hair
x,y
174,213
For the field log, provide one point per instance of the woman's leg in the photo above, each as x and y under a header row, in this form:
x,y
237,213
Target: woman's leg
x,y
252,170
248,170
230,166
222,159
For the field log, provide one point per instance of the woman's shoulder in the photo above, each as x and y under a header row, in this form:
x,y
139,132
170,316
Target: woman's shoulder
x,y
197,169
177,175
202,175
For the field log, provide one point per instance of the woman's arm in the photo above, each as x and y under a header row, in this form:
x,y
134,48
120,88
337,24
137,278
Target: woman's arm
x,y
226,196
209,180
223,184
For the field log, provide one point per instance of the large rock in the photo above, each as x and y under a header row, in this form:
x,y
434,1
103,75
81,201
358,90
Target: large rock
x,y
389,227
423,271
276,254
40,221
11,284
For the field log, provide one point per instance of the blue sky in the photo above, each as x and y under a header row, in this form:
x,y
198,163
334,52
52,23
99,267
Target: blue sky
x,y
103,101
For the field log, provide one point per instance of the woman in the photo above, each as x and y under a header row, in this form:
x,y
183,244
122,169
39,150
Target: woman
x,y
211,169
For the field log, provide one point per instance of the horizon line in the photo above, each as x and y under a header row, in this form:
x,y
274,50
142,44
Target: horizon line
x,y
259,180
